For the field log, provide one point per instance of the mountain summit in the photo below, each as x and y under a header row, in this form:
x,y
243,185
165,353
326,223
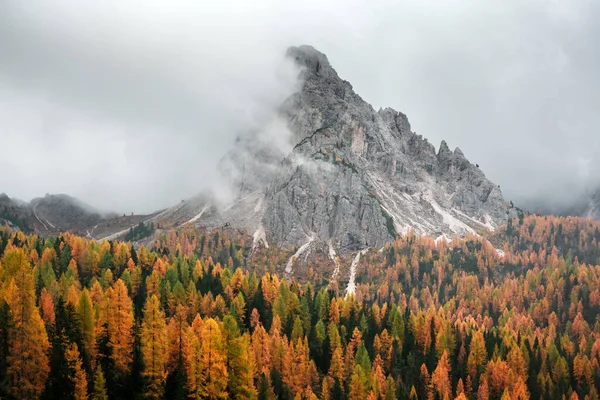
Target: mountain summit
x,y
350,177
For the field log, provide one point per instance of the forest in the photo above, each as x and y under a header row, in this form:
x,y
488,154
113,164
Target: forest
x,y
206,315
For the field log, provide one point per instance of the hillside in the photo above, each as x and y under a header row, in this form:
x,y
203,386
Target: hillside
x,y
56,213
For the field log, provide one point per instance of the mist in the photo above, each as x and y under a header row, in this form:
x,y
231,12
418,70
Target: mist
x,y
129,106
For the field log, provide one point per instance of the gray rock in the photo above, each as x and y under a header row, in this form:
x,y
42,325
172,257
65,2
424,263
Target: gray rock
x,y
49,215
592,208
352,177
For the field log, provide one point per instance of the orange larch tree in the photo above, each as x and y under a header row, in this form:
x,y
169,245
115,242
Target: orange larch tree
x,y
119,325
154,348
77,375
214,361
27,360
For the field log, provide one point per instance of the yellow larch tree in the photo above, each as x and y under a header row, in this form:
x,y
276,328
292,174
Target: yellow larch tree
x,y
85,310
441,378
154,348
27,361
77,375
214,361
120,324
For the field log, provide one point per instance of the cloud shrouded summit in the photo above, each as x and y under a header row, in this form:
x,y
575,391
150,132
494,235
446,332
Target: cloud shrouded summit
x,y
129,106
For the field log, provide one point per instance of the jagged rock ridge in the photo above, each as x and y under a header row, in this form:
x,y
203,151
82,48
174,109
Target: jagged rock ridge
x,y
353,178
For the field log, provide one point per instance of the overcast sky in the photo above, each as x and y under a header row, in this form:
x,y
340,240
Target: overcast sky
x,y
128,105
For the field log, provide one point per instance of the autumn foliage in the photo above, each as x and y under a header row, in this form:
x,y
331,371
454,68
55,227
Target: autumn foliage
x,y
201,315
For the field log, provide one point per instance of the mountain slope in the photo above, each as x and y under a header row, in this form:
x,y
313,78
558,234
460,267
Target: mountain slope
x,y
56,213
346,178
61,212
51,214
359,176
593,208
15,214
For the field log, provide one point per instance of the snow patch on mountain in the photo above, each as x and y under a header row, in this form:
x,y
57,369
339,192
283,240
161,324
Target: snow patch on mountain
x,y
333,257
351,289
304,249
259,236
197,216
455,225
258,206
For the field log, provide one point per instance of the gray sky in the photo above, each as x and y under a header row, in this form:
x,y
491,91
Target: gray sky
x,y
129,105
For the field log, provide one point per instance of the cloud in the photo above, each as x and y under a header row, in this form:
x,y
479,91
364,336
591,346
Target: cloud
x,y
130,105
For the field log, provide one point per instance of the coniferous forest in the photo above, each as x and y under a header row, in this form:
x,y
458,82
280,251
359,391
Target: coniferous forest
x,y
205,315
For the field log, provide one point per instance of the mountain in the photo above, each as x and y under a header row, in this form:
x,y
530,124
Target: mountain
x,y
15,214
50,214
592,208
328,173
586,205
61,212
342,176
56,213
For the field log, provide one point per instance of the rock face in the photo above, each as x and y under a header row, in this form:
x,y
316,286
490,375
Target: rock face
x,y
56,213
593,207
357,177
62,212
348,177
14,214
47,215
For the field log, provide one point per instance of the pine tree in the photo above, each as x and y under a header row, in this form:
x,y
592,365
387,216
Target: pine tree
x,y
326,387
66,332
241,383
362,358
483,393
86,317
46,306
357,390
73,296
27,360
214,368
99,386
336,368
154,348
176,333
120,325
194,363
412,395
460,387
297,330
441,378
477,355
261,344
77,375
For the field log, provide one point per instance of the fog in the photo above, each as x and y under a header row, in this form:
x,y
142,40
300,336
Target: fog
x,y
130,105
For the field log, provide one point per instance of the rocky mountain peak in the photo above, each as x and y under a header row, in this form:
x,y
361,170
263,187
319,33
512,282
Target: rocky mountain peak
x,y
350,178
444,147
315,62
353,179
